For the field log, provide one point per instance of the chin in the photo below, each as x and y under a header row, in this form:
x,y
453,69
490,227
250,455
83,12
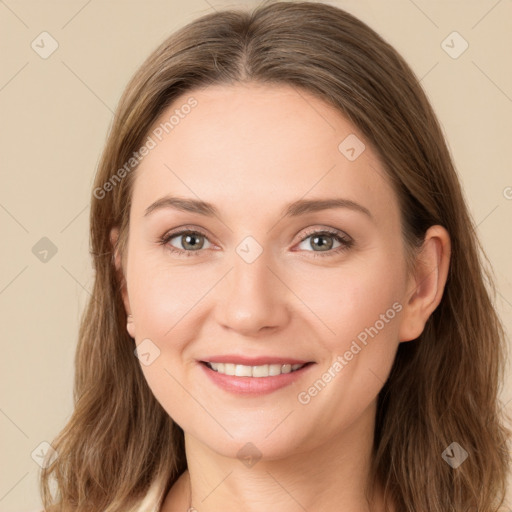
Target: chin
x,y
252,444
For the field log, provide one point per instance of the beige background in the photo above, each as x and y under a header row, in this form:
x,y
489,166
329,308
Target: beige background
x,y
56,113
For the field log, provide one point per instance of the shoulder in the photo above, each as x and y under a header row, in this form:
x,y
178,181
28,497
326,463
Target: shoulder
x,y
154,498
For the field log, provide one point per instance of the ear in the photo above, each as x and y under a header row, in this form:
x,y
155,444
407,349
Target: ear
x,y
426,285
116,258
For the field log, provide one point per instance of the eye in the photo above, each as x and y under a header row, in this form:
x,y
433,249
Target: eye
x,y
327,248
189,242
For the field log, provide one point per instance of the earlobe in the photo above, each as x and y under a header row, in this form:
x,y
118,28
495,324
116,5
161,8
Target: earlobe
x,y
427,285
130,326
117,263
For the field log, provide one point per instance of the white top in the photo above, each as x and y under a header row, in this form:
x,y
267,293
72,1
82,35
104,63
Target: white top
x,y
150,502
152,499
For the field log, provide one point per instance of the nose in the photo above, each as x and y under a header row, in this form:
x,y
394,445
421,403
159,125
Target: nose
x,y
253,298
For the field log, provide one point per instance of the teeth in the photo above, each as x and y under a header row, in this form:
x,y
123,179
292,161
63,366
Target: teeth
x,y
265,370
243,371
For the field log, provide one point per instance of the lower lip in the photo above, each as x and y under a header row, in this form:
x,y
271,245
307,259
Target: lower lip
x,y
254,385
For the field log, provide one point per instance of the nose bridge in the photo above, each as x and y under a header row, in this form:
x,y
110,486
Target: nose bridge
x,y
253,297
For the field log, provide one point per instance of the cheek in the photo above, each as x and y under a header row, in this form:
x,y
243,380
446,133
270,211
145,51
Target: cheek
x,y
160,301
161,296
351,300
361,309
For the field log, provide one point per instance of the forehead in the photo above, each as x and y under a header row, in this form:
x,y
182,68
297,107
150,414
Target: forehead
x,y
251,145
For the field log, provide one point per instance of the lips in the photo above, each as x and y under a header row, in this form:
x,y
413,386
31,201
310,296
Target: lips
x,y
253,379
253,361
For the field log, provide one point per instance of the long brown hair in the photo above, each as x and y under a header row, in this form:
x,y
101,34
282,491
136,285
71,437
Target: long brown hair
x,y
443,387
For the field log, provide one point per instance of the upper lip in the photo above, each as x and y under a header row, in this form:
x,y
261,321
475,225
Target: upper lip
x,y
253,361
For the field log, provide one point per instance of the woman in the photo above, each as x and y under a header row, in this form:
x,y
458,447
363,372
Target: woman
x,y
289,308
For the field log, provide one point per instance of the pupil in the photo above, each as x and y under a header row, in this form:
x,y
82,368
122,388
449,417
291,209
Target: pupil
x,y
323,246
188,238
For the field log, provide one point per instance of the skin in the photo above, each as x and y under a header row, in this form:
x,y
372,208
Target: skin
x,y
250,150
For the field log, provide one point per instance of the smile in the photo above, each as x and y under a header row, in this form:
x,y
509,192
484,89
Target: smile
x,y
243,379
265,370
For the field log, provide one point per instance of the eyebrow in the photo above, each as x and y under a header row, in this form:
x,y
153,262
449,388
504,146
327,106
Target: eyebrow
x,y
299,207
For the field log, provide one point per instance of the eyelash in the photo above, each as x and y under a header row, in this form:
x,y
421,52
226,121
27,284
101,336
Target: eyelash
x,y
345,241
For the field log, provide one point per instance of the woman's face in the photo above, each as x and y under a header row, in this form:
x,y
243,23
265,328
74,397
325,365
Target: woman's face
x,y
254,283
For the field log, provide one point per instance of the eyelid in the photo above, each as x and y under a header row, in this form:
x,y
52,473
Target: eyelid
x,y
328,230
183,229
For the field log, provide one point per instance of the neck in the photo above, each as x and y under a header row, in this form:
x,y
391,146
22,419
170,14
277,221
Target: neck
x,y
331,477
